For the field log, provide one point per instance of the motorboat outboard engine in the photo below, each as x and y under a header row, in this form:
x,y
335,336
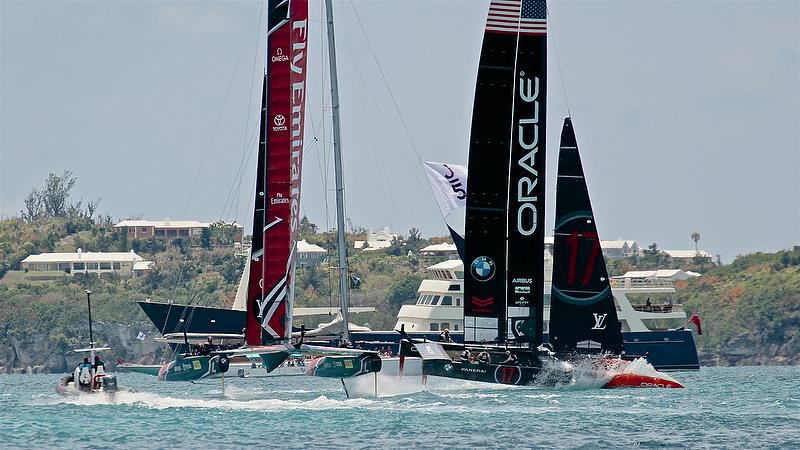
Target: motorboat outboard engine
x,y
109,383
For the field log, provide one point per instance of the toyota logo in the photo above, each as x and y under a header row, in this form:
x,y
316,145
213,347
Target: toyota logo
x,y
279,120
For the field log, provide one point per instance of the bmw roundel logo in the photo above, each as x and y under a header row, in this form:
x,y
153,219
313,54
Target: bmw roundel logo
x,y
448,367
482,268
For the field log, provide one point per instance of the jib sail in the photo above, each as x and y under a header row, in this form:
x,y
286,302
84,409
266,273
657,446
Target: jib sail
x,y
582,312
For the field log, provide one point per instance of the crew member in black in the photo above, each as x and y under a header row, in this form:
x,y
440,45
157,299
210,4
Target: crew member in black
x,y
510,358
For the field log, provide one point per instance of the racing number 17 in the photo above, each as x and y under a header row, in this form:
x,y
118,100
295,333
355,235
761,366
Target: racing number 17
x,y
572,242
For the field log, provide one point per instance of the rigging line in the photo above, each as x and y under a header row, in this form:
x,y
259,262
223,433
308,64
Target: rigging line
x,y
383,176
235,189
252,146
219,117
386,83
248,144
551,32
414,170
420,160
248,150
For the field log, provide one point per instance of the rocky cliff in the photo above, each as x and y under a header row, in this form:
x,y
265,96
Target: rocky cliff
x,y
29,353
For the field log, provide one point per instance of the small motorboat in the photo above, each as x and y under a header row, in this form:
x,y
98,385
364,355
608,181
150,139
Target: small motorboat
x,y
90,376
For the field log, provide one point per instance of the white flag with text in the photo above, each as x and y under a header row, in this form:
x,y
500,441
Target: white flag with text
x,y
449,185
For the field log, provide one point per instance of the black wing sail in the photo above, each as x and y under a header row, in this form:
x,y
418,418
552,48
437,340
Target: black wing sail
x,y
503,255
583,315
487,187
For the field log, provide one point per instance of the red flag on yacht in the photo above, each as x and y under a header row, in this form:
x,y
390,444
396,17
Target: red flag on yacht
x,y
695,319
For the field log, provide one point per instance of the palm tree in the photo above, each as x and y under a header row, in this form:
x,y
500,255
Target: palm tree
x,y
695,238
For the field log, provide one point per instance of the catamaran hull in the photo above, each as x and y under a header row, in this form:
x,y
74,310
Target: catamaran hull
x,y
496,373
344,366
627,380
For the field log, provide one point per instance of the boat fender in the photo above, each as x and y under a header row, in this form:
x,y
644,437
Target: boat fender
x,y
224,363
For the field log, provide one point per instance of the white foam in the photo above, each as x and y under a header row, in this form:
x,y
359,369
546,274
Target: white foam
x,y
154,401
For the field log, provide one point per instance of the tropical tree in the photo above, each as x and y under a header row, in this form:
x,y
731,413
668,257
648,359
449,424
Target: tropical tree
x,y
695,238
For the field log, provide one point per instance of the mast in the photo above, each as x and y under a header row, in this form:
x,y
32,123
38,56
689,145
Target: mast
x,y
344,273
89,304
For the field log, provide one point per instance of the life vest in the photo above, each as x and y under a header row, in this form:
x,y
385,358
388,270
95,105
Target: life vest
x,y
85,375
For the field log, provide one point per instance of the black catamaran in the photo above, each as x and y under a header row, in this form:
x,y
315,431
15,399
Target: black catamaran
x,y
504,235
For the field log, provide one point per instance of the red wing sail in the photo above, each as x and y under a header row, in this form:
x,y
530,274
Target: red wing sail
x,y
280,160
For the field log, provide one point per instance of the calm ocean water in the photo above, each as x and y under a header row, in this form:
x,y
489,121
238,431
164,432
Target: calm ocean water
x,y
741,407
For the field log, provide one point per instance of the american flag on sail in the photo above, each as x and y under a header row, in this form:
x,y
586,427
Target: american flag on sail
x,y
529,17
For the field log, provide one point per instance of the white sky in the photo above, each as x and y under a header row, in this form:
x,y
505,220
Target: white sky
x,y
687,113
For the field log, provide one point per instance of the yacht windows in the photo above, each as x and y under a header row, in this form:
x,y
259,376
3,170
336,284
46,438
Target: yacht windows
x,y
77,266
435,300
434,327
105,266
459,274
447,300
454,287
458,301
444,325
455,327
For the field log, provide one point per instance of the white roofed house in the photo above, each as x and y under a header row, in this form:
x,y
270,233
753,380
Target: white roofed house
x,y
169,229
377,239
309,255
125,264
619,248
689,254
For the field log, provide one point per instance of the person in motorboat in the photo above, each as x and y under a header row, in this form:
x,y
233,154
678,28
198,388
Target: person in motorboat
x,y
484,357
466,356
99,371
83,374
